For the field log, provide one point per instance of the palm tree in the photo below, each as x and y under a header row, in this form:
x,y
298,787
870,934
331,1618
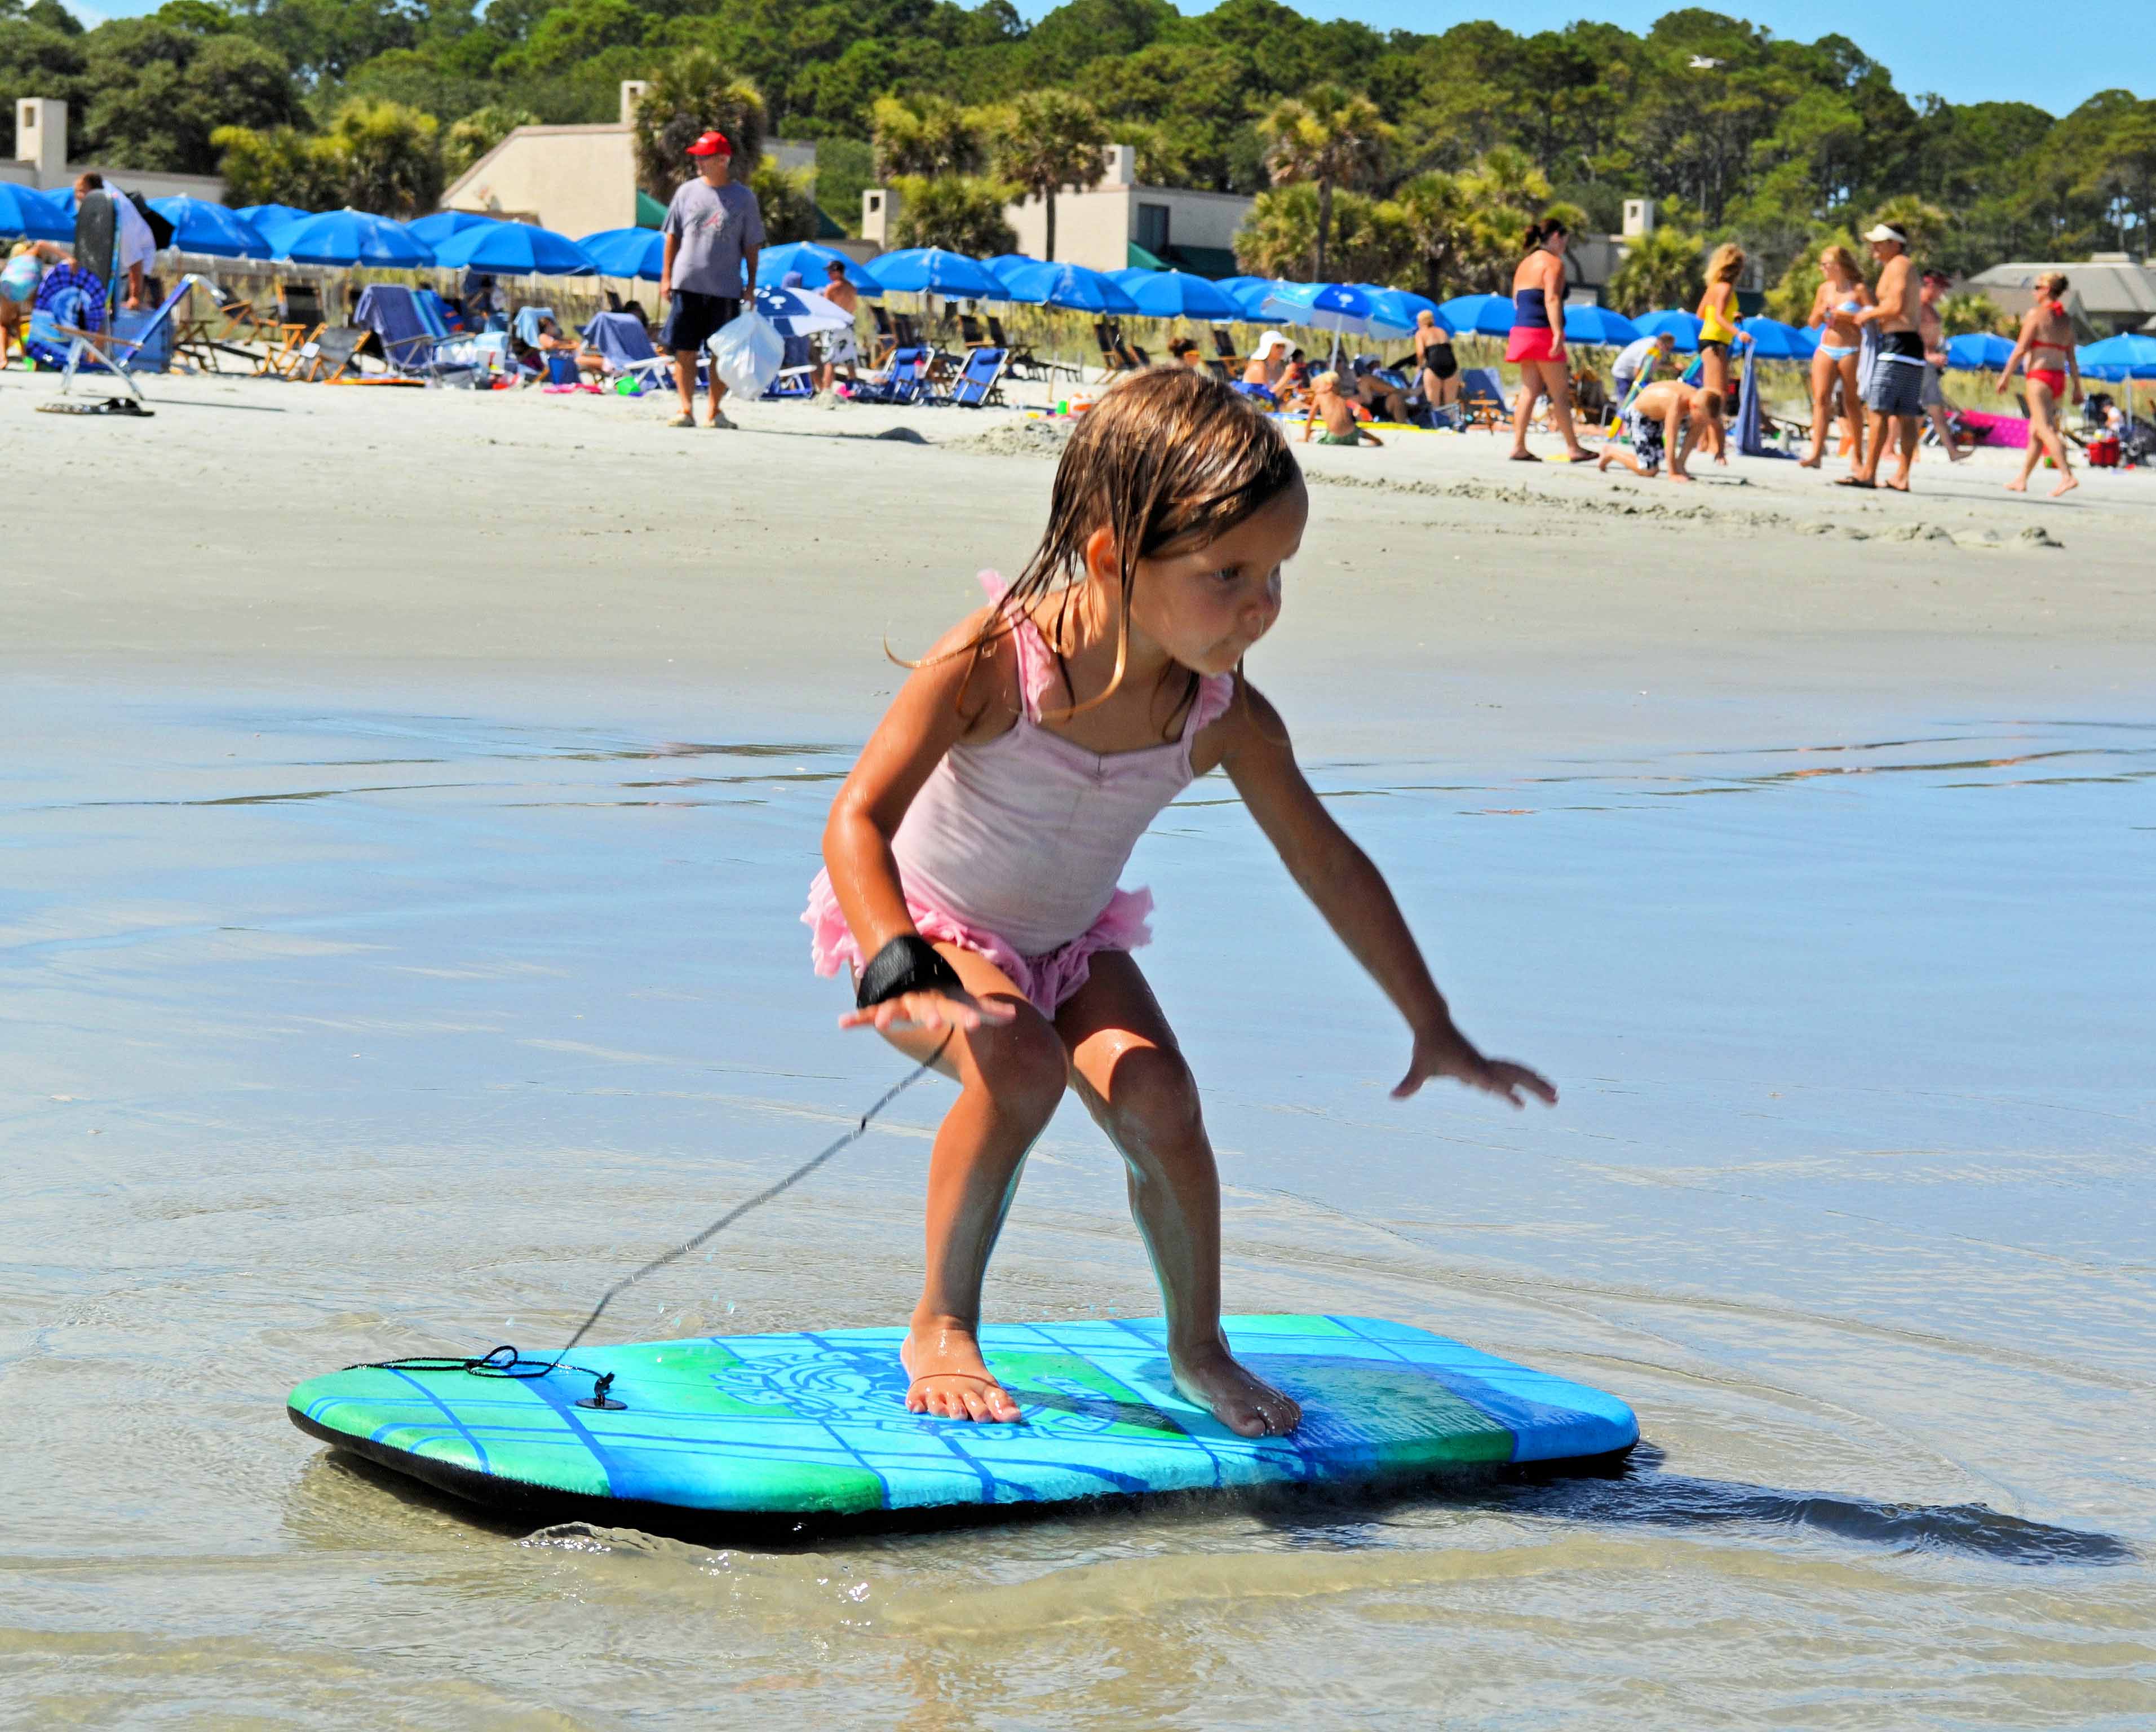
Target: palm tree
x,y
924,135
1659,270
1333,136
962,212
1048,139
694,93
1436,210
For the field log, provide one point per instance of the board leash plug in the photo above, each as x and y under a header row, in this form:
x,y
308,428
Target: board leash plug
x,y
599,1398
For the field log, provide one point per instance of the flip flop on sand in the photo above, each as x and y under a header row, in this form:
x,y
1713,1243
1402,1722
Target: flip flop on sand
x,y
1852,481
1525,457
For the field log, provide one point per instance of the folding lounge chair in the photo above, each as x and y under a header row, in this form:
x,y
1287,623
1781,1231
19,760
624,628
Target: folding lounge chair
x,y
980,384
621,341
122,356
1482,398
391,312
329,357
1110,342
796,373
1224,346
886,335
906,381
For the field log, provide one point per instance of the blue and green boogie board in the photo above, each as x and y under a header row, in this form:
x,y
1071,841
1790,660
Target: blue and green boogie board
x,y
814,1427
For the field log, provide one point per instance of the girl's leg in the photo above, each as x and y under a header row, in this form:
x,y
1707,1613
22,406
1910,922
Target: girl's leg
x,y
2039,405
1010,1078
1852,401
2055,441
1559,383
1523,411
1127,1068
1822,408
1714,376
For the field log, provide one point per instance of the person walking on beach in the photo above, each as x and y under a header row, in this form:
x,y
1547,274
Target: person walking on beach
x,y
1932,329
1896,397
971,862
1437,367
1717,330
839,348
1536,344
1841,296
2046,332
714,230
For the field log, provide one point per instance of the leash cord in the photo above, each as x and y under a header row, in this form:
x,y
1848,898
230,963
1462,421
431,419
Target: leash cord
x,y
505,1361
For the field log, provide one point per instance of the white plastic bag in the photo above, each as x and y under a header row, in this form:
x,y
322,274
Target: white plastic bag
x,y
747,353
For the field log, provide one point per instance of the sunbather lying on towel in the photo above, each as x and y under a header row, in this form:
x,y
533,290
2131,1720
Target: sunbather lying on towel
x,y
1331,407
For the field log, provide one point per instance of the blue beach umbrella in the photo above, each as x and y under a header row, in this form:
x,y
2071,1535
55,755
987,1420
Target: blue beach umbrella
x,y
801,312
1683,327
1978,352
1074,287
2130,356
1178,295
814,262
514,249
627,252
1003,264
1774,341
1479,315
351,238
1597,325
270,220
439,228
1341,308
1250,296
936,270
33,215
211,229
1128,275
1399,307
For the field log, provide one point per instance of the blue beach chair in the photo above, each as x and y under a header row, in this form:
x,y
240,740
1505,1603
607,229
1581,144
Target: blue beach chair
x,y
906,382
980,384
796,373
148,350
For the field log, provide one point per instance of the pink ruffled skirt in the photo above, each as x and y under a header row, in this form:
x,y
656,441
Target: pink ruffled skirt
x,y
1047,981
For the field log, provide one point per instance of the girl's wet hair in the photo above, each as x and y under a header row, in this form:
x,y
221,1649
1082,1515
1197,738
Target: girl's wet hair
x,y
1168,460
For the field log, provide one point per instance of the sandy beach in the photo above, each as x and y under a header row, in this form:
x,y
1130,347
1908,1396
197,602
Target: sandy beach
x,y
411,801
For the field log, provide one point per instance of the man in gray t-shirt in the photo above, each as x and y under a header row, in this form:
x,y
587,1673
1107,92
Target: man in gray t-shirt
x,y
714,231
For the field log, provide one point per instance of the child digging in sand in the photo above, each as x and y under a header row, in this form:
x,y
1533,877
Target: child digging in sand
x,y
970,862
1330,406
1671,413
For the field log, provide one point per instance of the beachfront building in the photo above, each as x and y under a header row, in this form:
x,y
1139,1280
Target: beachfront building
x,y
2106,292
1119,221
578,180
41,160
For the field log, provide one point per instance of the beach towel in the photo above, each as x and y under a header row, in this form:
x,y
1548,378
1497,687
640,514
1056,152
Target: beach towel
x,y
69,296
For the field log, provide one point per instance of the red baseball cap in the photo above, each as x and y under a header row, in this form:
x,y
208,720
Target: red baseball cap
x,y
711,144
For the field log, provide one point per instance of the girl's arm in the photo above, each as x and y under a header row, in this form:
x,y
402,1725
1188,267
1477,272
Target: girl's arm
x,y
2021,349
923,723
1352,896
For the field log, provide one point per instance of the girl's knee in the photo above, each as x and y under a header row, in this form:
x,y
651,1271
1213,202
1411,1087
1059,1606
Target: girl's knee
x,y
1023,1066
1152,1103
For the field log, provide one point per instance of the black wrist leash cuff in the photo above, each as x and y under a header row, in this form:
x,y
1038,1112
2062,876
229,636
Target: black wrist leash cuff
x,y
910,963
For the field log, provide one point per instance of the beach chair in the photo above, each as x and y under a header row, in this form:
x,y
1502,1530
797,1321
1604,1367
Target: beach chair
x,y
796,373
980,384
621,341
909,331
392,314
144,347
886,336
972,335
1224,346
329,357
1481,402
1019,359
1110,342
906,381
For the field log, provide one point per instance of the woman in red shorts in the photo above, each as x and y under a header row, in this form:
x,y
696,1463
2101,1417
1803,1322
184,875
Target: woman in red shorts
x,y
1537,339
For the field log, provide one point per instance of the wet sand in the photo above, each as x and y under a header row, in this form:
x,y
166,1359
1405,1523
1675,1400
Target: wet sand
x,y
410,807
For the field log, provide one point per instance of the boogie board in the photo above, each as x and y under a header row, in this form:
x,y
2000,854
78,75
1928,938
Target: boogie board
x,y
814,1427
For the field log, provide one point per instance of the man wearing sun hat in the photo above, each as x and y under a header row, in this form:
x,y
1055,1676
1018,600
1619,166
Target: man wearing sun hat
x,y
714,230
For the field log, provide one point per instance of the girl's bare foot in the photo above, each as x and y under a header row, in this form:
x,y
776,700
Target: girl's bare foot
x,y
2017,486
1240,1399
951,1380
2066,485
1810,462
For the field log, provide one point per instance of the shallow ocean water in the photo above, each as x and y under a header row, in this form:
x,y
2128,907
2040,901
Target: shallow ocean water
x,y
337,1031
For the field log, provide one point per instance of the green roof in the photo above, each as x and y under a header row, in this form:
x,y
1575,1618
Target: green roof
x,y
650,212
1214,262
1141,260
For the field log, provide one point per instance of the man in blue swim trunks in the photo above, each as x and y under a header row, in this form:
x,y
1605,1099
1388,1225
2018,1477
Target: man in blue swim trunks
x,y
714,230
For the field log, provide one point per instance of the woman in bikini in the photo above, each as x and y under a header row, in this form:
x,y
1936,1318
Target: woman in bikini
x,y
1842,295
2045,357
1536,344
1717,329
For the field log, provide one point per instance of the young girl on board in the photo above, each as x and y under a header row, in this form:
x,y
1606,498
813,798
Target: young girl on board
x,y
971,862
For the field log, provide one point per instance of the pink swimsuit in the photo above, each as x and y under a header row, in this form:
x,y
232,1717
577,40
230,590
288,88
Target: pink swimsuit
x,y
1013,846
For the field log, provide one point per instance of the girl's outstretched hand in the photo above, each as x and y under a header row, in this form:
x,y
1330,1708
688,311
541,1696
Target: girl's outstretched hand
x,y
1447,1052
959,1011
